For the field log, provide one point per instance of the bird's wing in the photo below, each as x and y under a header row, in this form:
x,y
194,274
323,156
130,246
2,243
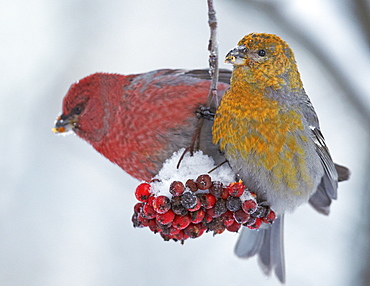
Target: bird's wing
x,y
327,189
224,75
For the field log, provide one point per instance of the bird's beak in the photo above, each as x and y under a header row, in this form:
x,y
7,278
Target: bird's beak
x,y
237,56
64,124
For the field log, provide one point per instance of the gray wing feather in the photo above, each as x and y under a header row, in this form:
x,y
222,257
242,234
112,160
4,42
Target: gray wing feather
x,y
268,243
327,189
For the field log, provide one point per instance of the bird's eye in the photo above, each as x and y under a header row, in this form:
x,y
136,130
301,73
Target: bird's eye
x,y
77,110
261,53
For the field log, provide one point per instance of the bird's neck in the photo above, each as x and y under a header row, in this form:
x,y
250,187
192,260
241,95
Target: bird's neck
x,y
258,79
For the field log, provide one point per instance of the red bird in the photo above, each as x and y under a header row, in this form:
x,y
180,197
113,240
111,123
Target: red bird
x,y
138,121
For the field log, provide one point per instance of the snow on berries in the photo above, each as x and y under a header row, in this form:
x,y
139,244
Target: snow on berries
x,y
187,202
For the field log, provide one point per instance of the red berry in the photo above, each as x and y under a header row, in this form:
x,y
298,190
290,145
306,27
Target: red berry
x,y
270,217
165,218
208,217
191,185
181,236
236,189
241,216
228,218
211,213
194,230
225,193
197,206
138,207
208,200
142,220
153,226
165,237
204,182
177,188
161,204
148,211
254,223
181,222
234,227
142,192
174,231
197,216
150,200
249,206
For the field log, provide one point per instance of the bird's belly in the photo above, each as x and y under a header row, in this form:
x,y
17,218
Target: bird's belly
x,y
285,179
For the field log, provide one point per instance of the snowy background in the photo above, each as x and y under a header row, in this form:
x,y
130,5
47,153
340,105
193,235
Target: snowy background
x,y
65,211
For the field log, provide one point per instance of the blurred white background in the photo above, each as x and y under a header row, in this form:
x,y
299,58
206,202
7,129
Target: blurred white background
x,y
65,211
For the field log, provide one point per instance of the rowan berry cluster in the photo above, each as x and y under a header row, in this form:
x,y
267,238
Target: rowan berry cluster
x,y
199,206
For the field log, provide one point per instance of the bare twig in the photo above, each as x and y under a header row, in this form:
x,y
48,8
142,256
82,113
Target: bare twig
x,y
213,54
213,71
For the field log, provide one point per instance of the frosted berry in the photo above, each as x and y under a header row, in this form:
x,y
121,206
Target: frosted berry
x,y
233,203
192,185
241,216
142,192
211,213
216,225
153,226
177,188
138,207
208,217
236,189
197,216
216,189
225,193
197,206
255,223
165,218
270,217
181,236
261,211
173,231
208,201
150,200
194,230
220,207
204,182
134,220
189,200
181,222
177,207
161,204
249,206
234,227
148,211
228,218
143,221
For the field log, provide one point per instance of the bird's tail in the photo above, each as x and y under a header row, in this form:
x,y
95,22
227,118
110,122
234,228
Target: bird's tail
x,y
268,244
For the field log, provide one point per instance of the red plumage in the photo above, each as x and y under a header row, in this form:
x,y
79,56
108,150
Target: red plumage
x,y
137,121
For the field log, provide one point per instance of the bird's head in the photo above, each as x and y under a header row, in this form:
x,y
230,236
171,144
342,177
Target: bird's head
x,y
83,110
265,52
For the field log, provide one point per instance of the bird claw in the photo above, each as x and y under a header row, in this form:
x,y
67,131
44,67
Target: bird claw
x,y
204,112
